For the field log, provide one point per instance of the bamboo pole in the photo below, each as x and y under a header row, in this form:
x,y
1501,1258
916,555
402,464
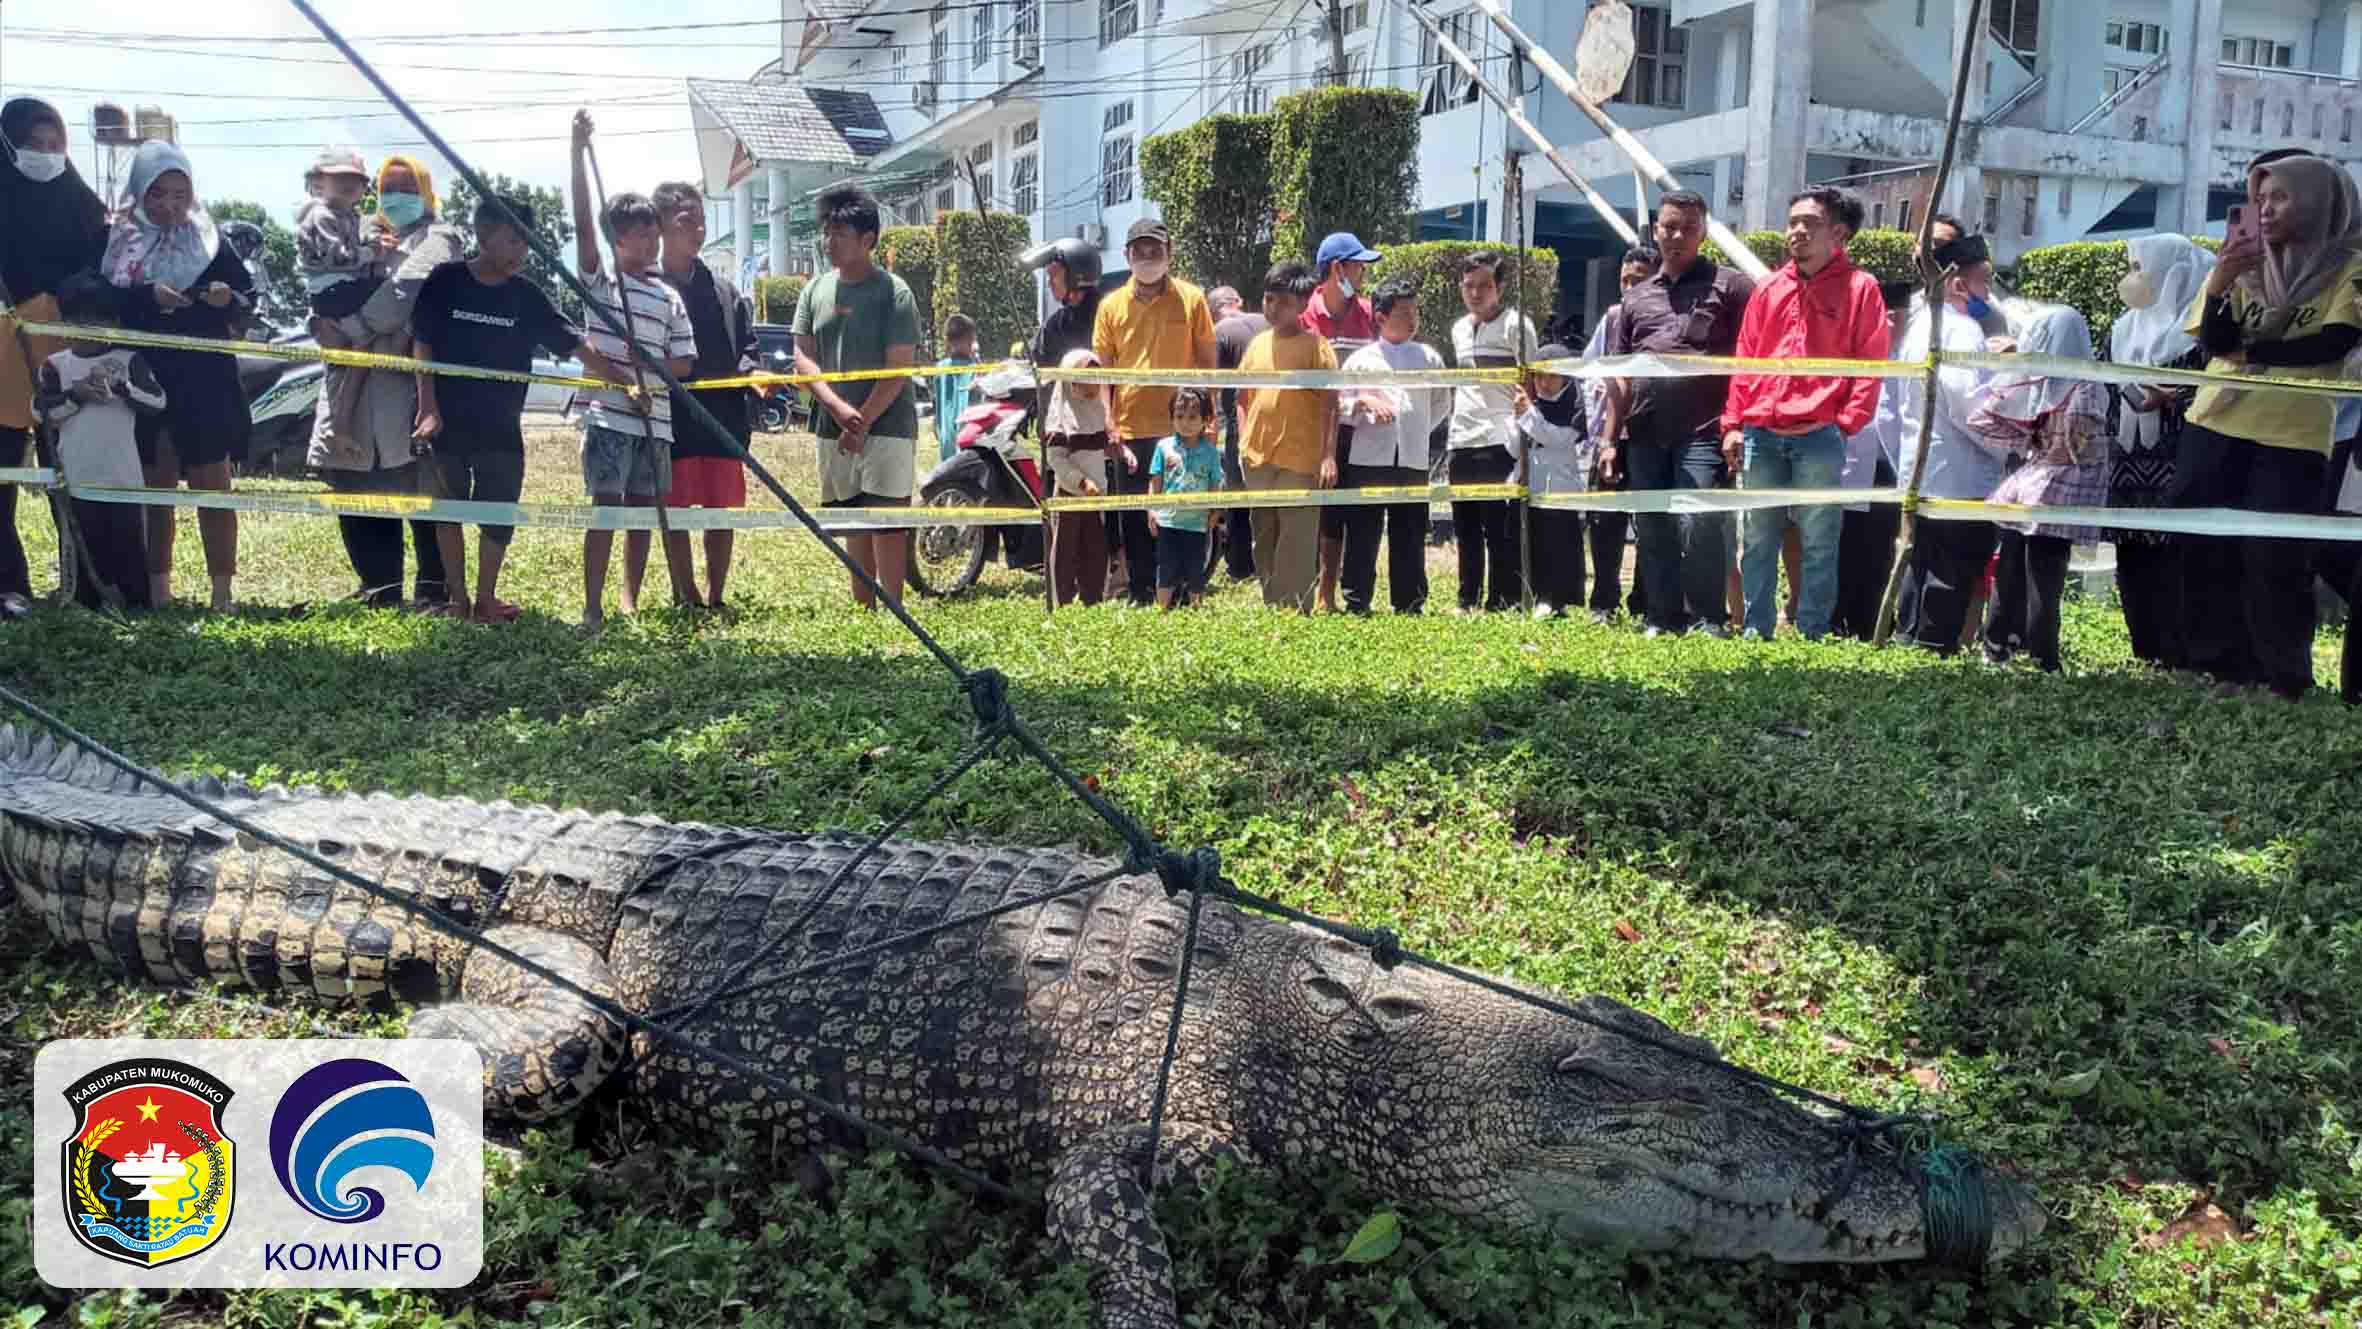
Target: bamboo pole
x,y
1933,279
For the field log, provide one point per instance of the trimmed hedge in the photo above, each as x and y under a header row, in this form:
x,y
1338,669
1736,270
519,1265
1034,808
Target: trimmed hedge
x,y
1883,253
1433,270
775,297
979,273
1212,184
909,253
1344,159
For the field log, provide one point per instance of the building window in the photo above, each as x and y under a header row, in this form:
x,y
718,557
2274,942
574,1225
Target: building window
x,y
979,35
1660,61
1992,224
1115,171
1025,32
2140,38
1118,19
945,202
2066,195
1025,184
938,52
1354,17
1444,85
1903,215
2320,118
983,191
2228,112
2259,116
2345,125
900,57
2261,52
2140,129
2033,200
1026,135
1115,117
1878,216
1250,94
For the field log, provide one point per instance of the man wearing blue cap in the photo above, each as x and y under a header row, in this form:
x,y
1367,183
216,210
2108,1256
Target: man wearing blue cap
x,y
1340,311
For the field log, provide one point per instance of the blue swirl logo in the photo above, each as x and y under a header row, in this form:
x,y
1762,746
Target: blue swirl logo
x,y
343,1116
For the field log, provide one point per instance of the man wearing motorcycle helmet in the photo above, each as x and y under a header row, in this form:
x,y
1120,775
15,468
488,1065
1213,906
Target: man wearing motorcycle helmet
x,y
1073,269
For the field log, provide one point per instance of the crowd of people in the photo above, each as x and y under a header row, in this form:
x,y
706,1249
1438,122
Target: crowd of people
x,y
2284,297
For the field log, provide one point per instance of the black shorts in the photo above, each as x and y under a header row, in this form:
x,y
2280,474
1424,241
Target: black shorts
x,y
868,500
1332,519
1180,560
481,477
345,299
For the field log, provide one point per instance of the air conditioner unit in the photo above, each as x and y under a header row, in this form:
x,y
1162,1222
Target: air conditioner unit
x,y
1093,234
922,95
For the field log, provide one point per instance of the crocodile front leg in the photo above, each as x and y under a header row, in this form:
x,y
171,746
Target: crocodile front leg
x,y
1100,1214
545,1049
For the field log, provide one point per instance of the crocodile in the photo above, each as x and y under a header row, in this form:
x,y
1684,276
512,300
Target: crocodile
x,y
1025,1047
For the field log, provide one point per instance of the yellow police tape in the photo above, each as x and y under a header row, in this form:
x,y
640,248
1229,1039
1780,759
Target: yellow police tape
x,y
408,365
2225,522
1621,366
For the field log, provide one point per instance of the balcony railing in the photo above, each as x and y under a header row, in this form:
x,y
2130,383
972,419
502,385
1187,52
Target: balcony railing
x,y
2286,107
2149,73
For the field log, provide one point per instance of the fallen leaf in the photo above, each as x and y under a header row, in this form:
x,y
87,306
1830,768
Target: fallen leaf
x,y
1352,791
2202,1223
2223,1049
1929,1078
2131,1182
1377,1239
2231,823
1625,930
2076,1085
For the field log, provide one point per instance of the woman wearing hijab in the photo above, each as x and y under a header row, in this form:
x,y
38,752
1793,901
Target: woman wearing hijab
x,y
167,258
1076,439
376,456
2059,426
2287,302
2167,272
55,227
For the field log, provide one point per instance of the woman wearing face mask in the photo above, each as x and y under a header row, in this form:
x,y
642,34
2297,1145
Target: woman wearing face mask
x,y
2283,301
55,227
167,258
377,455
2167,271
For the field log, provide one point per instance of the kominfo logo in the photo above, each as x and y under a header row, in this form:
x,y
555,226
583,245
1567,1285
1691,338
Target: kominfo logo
x,y
340,1117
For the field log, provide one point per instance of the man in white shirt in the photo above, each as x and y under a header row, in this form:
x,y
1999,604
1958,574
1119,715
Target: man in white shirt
x,y
1490,335
1388,429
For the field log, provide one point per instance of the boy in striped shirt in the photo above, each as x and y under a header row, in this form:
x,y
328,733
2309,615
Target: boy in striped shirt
x,y
626,432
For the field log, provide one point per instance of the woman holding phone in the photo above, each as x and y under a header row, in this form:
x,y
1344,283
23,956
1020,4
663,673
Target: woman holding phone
x,y
2284,299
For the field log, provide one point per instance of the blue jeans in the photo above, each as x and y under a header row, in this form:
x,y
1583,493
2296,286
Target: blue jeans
x,y
1684,560
1804,461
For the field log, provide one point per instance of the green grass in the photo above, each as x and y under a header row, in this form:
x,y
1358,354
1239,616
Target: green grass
x,y
2108,925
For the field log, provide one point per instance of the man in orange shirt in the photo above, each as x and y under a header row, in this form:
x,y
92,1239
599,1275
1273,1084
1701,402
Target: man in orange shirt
x,y
1153,321
1288,438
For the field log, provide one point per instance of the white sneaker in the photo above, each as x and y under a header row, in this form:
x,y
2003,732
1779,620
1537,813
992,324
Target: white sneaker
x,y
1544,610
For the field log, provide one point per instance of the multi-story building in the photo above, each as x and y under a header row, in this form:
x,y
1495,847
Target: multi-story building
x,y
2090,119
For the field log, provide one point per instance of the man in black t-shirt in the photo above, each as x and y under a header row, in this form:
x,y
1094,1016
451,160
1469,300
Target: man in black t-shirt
x,y
706,472
1234,329
478,313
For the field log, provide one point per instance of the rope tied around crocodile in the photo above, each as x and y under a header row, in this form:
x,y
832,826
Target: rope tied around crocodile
x,y
1956,1205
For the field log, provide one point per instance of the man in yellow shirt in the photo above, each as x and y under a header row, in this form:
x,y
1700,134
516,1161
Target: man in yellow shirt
x,y
1153,321
1288,438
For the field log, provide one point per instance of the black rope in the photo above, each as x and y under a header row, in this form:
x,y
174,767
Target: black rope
x,y
1205,867
450,927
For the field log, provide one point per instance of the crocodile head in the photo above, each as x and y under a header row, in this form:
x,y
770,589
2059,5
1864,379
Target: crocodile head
x,y
1604,1139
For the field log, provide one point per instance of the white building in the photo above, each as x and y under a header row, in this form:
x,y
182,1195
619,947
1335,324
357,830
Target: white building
x,y
2089,118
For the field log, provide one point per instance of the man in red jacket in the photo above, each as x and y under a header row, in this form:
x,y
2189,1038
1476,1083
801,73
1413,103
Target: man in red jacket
x,y
1794,429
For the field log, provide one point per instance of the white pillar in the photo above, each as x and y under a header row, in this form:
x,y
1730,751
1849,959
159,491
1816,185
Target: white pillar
x,y
2205,51
1781,98
1966,199
742,224
1730,93
775,211
2349,64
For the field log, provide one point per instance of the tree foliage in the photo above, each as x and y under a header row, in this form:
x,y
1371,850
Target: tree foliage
x,y
1344,159
1883,252
775,297
283,301
1433,270
1212,184
909,253
978,273
552,221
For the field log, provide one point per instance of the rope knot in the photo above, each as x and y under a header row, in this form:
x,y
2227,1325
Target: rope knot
x,y
1199,870
1384,946
988,696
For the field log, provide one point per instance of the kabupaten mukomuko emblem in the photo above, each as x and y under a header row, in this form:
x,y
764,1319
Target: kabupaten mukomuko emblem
x,y
149,1177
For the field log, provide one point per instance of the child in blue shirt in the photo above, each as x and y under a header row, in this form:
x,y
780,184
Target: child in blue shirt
x,y
951,390
1189,462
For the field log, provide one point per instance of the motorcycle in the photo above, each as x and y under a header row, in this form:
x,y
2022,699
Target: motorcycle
x,y
993,468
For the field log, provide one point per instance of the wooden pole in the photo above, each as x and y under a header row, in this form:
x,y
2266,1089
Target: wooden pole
x,y
1933,278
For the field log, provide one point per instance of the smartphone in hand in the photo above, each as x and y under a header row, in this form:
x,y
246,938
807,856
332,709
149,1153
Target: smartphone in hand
x,y
2242,226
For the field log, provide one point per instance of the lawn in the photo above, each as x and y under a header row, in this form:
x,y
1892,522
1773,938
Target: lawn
x,y
2108,925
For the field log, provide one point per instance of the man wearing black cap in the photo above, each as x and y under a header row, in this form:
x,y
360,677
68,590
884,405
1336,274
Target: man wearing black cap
x,y
1155,321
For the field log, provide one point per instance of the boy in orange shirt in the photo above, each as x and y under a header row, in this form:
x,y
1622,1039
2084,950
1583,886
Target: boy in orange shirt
x,y
1288,437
